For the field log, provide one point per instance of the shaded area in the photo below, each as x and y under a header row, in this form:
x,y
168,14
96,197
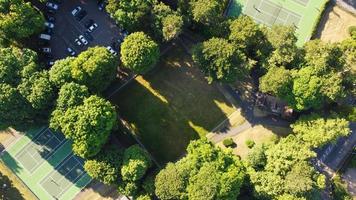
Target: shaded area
x,y
171,106
8,190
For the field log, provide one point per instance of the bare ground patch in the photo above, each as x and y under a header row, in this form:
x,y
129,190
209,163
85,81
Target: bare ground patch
x,y
334,24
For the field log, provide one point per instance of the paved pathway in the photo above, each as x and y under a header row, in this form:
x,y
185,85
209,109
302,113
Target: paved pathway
x,y
349,5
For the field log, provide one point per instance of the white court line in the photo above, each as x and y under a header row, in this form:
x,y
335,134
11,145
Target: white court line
x,y
68,186
59,146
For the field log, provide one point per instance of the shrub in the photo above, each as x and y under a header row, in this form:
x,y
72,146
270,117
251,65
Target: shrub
x,y
250,143
352,31
228,142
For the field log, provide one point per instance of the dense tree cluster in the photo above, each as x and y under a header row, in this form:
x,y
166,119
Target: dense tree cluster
x,y
283,169
130,14
220,60
96,68
18,19
139,52
127,169
167,24
206,172
25,90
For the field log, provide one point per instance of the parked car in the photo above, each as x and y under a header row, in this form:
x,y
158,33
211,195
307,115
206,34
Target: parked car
x,y
83,40
49,25
111,50
101,6
45,37
71,51
88,36
52,6
88,23
49,31
46,50
81,15
93,27
76,10
78,42
50,18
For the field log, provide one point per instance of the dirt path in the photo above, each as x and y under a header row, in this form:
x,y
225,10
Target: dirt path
x,y
335,23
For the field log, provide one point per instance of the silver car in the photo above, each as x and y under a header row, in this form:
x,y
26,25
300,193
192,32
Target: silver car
x,y
83,40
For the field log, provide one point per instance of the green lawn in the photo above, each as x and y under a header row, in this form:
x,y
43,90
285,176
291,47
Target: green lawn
x,y
171,106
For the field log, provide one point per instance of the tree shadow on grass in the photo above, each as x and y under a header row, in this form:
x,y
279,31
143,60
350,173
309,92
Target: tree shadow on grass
x,y
170,106
8,190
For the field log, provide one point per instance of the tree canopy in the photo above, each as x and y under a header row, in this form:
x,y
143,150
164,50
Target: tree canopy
x,y
168,24
88,125
220,60
135,163
16,63
105,165
95,68
71,95
38,90
130,14
18,19
187,178
139,52
14,109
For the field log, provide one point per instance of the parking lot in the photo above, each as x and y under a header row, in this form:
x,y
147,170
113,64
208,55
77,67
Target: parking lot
x,y
67,28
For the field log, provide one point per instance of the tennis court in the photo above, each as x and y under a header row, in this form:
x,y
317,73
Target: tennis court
x,y
302,14
44,161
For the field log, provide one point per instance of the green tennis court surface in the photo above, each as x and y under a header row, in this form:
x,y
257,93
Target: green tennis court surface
x,y
44,161
302,14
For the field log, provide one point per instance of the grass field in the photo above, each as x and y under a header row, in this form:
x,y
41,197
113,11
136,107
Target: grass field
x,y
303,14
171,106
259,134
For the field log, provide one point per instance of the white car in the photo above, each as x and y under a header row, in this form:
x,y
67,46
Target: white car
x,y
78,42
111,50
46,50
83,40
92,27
52,5
70,51
49,24
76,10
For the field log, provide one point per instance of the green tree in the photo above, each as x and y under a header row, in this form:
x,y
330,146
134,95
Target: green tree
x,y
220,60
246,34
206,12
128,188
171,182
167,23
19,20
323,57
130,14
257,158
96,68
15,64
14,109
71,95
60,72
38,90
316,131
105,166
135,164
139,52
278,81
88,125
287,171
285,52
187,178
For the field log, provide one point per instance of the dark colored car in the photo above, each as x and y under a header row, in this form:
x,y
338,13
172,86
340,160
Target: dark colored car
x,y
49,31
88,23
88,36
50,18
81,15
